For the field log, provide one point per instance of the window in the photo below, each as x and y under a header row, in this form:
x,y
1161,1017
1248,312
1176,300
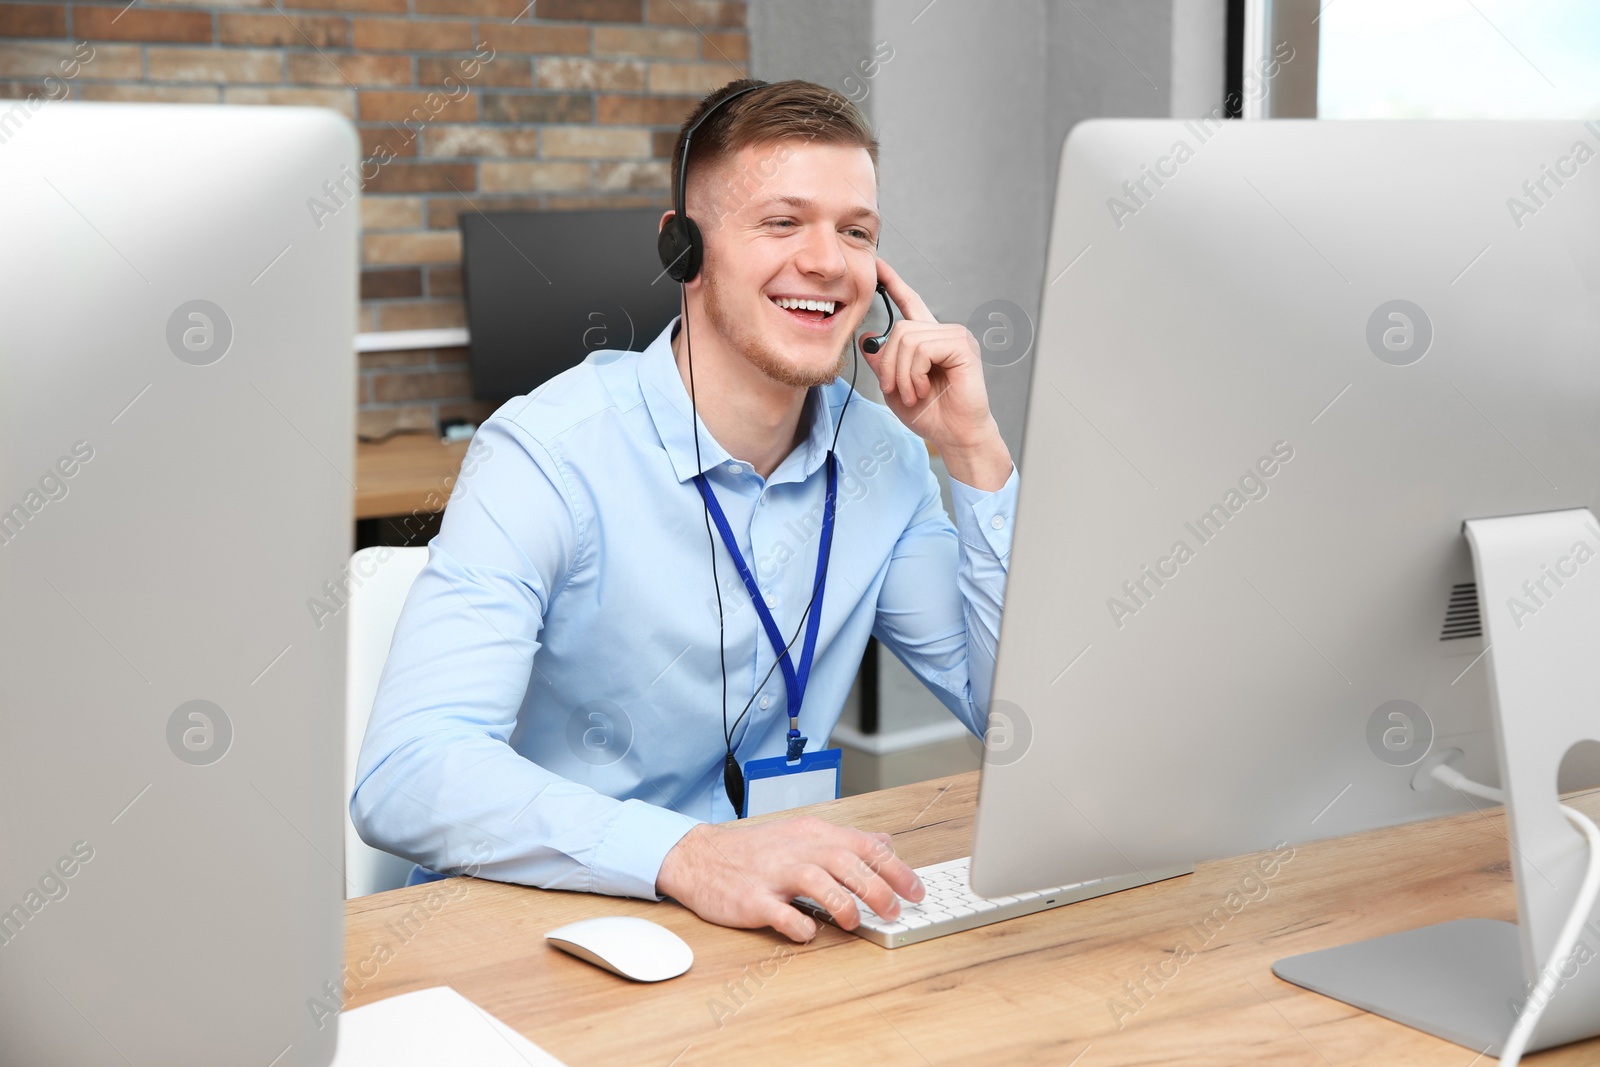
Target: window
x,y
1447,59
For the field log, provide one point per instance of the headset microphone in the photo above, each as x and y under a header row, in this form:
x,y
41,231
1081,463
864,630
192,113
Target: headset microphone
x,y
870,345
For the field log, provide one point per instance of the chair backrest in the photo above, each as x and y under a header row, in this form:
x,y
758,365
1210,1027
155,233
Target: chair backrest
x,y
384,575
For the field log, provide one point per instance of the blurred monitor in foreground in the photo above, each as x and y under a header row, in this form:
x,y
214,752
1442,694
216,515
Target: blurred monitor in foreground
x,y
176,466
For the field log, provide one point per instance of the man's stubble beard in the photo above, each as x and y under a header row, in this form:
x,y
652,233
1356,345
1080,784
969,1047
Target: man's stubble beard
x,y
749,343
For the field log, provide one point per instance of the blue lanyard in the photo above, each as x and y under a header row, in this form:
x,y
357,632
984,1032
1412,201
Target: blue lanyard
x,y
794,681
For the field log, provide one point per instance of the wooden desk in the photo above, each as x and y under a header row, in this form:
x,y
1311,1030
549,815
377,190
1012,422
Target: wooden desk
x,y
408,472
411,472
1035,990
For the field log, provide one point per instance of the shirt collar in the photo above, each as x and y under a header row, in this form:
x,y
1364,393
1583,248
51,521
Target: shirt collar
x,y
667,399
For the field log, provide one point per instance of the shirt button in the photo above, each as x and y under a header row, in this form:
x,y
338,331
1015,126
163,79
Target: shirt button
x,y
766,702
735,468
998,522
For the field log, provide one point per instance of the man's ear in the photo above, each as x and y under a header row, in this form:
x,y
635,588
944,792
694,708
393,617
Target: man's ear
x,y
666,216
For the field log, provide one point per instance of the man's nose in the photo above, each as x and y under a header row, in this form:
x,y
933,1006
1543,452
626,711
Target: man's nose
x,y
821,254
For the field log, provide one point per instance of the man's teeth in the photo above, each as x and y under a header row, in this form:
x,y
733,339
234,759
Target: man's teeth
x,y
824,306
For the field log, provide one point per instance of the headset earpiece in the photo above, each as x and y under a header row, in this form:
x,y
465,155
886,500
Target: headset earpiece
x,y
679,244
680,247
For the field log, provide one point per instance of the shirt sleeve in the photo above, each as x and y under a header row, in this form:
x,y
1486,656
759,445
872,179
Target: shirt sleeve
x,y
939,607
437,781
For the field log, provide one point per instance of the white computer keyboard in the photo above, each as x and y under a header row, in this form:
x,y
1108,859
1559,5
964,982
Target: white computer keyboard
x,y
951,906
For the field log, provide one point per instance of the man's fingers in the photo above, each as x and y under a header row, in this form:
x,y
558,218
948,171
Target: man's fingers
x,y
880,852
902,372
891,870
788,920
888,359
882,364
820,886
873,891
850,869
877,853
921,382
905,363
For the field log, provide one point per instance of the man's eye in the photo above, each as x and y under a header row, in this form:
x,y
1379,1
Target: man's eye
x,y
859,234
780,222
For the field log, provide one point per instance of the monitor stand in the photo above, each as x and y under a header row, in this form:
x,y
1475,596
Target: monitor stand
x,y
1465,981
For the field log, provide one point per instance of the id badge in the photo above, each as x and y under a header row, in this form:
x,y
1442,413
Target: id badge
x,y
775,784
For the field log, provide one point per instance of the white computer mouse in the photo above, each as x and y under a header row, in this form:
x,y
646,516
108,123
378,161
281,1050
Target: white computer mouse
x,y
634,948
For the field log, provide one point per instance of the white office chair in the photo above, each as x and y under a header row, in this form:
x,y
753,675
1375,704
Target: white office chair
x,y
374,609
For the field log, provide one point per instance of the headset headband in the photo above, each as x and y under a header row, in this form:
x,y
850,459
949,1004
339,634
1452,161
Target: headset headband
x,y
679,243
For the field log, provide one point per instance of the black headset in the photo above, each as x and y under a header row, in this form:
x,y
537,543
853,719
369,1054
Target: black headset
x,y
682,251
870,345
679,243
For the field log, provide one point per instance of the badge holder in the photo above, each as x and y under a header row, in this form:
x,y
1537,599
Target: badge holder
x,y
779,783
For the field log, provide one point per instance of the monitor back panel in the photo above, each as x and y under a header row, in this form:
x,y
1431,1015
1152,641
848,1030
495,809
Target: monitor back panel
x,y
1279,363
176,474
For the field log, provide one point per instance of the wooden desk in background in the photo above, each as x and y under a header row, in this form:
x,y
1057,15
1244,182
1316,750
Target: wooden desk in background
x,y
398,476
1042,989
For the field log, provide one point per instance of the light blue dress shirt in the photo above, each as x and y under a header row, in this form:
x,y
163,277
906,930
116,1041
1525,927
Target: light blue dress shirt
x,y
548,712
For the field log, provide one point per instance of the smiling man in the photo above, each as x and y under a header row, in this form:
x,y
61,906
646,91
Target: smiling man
x,y
557,709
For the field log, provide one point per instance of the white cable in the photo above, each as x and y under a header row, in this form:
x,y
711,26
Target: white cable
x,y
1458,781
1588,893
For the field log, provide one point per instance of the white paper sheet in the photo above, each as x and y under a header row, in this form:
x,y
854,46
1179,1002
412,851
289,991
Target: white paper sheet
x,y
434,1027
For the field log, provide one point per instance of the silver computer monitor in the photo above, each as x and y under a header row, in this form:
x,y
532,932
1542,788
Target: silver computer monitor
x,y
1279,364
177,378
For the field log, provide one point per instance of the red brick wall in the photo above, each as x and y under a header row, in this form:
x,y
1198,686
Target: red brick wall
x,y
461,104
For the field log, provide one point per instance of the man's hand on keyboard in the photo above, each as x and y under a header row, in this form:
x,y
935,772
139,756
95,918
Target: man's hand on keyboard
x,y
745,875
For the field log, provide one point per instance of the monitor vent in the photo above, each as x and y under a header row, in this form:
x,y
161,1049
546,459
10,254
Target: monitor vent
x,y
1461,614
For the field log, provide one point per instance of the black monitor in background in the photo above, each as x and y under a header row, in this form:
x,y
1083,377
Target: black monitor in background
x,y
546,288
